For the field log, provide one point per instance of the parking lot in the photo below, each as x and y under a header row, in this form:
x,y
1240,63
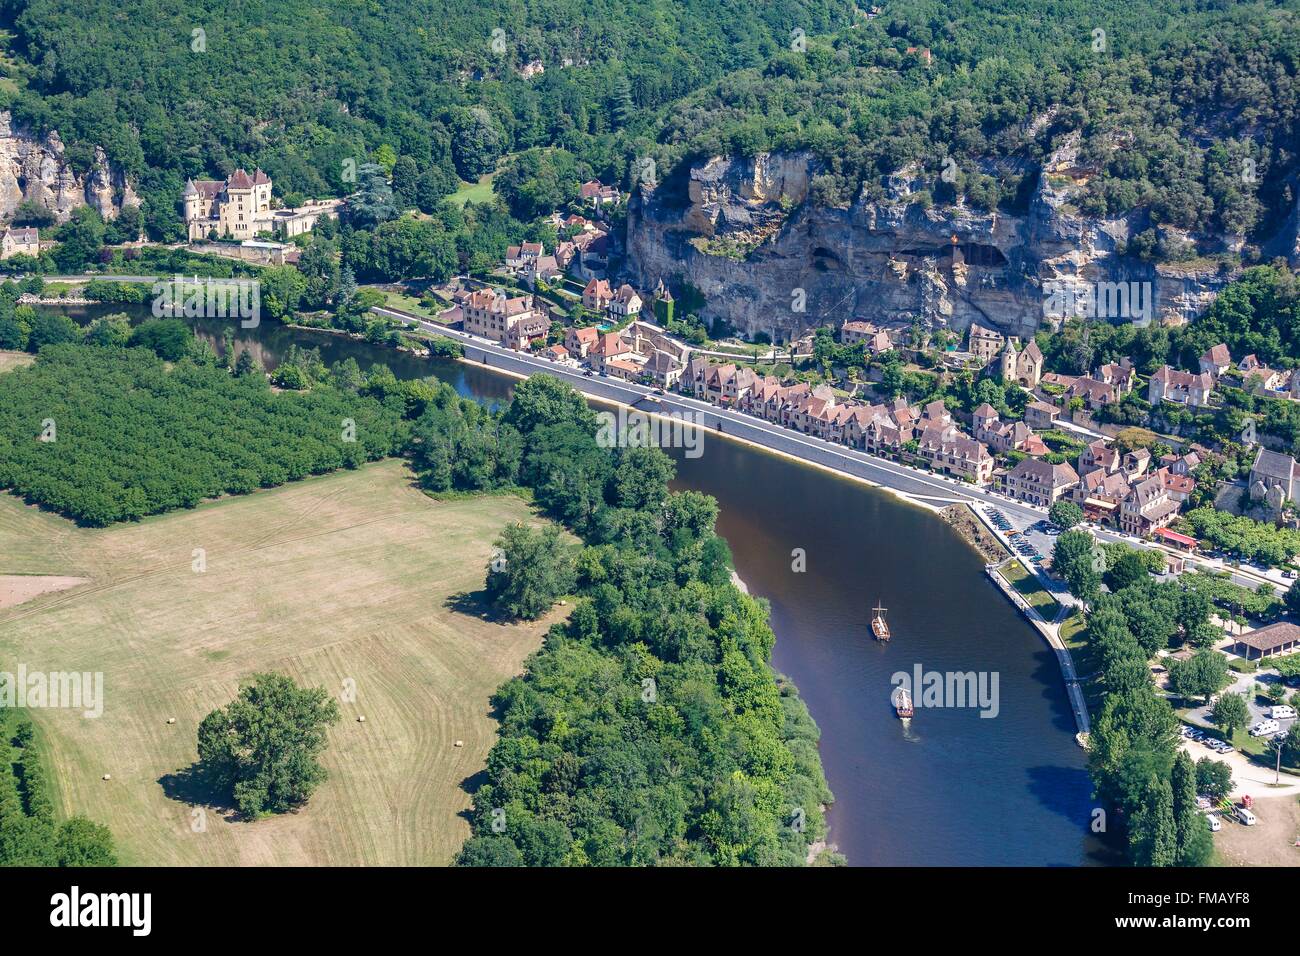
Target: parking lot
x,y
1259,707
1033,543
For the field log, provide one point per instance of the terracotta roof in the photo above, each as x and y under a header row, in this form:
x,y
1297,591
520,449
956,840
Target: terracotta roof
x,y
239,180
1218,354
1172,376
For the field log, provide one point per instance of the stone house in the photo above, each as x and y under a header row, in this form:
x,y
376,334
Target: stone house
x,y
1184,388
1039,482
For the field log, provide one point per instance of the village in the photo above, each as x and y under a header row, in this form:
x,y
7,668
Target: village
x,y
1054,450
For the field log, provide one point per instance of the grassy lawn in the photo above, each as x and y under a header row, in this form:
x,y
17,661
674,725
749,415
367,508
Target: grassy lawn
x,y
1087,662
1031,589
408,303
355,578
479,192
10,360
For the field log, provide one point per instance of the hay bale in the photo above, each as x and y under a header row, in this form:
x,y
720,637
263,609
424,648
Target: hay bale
x,y
460,743
107,776
361,719
171,720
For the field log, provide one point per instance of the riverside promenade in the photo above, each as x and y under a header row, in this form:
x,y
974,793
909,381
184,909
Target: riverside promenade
x,y
1051,630
923,488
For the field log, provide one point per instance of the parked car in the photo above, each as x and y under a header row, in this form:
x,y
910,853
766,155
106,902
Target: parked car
x,y
1245,816
1282,712
1213,820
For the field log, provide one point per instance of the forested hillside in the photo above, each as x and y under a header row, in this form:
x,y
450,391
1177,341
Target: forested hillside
x,y
1188,109
297,87
1184,107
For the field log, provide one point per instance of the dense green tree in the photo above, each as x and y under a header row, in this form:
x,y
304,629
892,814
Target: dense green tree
x,y
49,328
1129,568
1153,832
530,570
1213,778
476,142
1065,514
263,748
1194,845
1203,674
170,339
1077,557
1230,713
373,202
80,842
110,330
545,400
80,239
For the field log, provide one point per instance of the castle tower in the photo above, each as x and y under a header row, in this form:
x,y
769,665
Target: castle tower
x,y
1009,361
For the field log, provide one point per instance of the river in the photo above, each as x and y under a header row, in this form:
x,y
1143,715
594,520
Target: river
x,y
953,788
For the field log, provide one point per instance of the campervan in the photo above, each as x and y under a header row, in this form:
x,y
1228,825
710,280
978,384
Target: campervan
x,y
1265,728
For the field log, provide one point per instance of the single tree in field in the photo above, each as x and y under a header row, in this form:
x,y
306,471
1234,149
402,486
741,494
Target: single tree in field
x,y
1065,514
1230,713
262,747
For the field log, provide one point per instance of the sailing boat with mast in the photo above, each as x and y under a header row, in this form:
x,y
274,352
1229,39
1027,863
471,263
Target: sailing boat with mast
x,y
878,625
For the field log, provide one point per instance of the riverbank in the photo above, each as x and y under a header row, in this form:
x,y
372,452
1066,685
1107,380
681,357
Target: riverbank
x,y
860,548
975,533
931,495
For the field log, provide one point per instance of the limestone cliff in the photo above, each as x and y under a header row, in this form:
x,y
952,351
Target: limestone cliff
x,y
36,168
767,259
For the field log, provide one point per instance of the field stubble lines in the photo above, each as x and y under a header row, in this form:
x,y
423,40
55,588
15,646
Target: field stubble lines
x,y
351,583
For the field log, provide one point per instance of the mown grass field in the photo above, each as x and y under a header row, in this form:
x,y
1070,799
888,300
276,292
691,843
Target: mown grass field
x,y
352,577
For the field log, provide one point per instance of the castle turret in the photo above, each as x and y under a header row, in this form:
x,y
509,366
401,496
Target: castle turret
x,y
1009,361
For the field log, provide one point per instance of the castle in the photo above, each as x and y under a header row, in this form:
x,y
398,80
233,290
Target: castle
x,y
1024,366
240,208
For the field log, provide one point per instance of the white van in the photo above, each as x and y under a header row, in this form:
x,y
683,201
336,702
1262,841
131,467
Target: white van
x,y
1264,728
1245,816
1282,712
1213,820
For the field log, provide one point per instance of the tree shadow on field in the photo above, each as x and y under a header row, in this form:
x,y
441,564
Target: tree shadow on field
x,y
195,787
474,604
471,785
